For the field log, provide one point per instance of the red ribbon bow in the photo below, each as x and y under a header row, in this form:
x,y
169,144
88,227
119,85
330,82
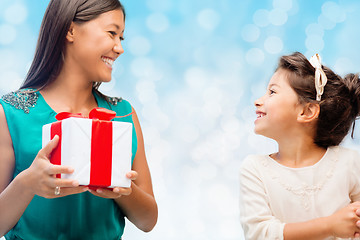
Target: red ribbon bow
x,y
101,144
96,113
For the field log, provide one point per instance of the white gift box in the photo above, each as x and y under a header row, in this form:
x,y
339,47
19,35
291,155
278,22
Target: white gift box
x,y
100,156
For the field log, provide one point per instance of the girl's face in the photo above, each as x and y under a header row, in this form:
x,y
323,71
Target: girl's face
x,y
278,109
94,45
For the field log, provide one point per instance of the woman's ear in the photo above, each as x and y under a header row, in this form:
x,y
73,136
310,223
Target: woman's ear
x,y
310,112
71,32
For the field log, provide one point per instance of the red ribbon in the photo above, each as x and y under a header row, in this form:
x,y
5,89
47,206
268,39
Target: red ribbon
x,y
96,113
101,144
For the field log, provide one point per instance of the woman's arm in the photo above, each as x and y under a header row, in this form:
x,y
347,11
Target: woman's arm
x,y
13,200
137,202
140,206
16,194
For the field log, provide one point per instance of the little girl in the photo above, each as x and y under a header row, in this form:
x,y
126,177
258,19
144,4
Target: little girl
x,y
309,188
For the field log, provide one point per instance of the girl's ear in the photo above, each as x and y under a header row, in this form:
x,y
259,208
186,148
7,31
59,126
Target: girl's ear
x,y
309,113
71,32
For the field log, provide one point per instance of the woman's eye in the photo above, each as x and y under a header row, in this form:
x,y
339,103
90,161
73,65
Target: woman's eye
x,y
112,33
271,92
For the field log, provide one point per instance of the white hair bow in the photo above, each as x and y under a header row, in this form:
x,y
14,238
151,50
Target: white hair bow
x,y
320,76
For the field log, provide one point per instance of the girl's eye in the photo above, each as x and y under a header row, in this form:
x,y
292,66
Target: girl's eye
x,y
112,33
271,92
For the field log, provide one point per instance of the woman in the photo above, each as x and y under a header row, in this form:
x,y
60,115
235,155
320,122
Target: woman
x,y
78,43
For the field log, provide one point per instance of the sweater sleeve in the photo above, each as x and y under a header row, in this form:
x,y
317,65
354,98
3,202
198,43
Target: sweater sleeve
x,y
354,168
256,216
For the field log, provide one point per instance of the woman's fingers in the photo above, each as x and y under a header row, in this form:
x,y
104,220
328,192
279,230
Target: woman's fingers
x,y
50,146
114,193
57,182
122,191
55,192
58,169
132,175
64,191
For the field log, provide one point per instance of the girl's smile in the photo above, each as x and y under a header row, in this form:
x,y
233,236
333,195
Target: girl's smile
x,y
276,111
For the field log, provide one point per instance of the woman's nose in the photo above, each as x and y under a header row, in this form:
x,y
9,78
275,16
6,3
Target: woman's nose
x,y
118,48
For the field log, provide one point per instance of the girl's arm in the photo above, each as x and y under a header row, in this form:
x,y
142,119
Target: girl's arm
x,y
341,224
256,216
259,223
16,194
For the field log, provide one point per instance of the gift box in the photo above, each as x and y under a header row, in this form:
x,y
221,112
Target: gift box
x,y
99,150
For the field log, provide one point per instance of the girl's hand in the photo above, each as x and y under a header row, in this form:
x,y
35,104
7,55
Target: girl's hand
x,y
41,180
117,191
345,222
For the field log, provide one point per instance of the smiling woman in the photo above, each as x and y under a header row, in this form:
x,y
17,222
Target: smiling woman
x,y
94,46
78,44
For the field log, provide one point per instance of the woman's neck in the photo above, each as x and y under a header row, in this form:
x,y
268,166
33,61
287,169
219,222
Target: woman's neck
x,y
69,94
298,152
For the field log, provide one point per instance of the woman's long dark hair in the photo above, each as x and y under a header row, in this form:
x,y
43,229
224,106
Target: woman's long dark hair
x,y
48,59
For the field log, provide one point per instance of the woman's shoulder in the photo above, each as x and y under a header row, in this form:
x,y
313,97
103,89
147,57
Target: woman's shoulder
x,y
22,99
121,106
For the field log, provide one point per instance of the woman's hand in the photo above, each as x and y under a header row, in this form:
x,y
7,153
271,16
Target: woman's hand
x,y
345,222
116,192
41,180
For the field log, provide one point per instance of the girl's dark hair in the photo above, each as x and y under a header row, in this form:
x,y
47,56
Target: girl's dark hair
x,y
59,15
340,102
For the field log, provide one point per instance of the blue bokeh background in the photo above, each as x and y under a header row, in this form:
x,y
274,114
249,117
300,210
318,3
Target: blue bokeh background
x,y
192,70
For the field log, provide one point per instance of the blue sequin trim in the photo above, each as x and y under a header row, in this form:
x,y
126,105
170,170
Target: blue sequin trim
x,y
114,100
21,99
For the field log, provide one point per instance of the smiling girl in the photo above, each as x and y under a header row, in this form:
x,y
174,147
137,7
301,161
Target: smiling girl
x,y
309,188
78,43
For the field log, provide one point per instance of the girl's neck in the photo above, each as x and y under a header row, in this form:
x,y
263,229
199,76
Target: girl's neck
x,y
302,152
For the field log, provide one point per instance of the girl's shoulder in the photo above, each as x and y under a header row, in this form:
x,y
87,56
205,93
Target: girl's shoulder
x,y
254,162
346,154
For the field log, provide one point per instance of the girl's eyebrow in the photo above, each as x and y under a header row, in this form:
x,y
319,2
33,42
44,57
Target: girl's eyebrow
x,y
274,85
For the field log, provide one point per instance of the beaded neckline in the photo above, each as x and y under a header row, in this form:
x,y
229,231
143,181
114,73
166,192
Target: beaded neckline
x,y
304,191
25,99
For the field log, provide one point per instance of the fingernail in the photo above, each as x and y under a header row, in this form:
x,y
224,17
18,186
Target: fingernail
x,y
99,190
75,183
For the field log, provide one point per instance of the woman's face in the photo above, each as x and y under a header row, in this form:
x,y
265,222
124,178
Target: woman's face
x,y
93,46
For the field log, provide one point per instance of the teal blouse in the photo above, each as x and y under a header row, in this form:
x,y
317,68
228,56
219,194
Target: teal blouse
x,y
79,216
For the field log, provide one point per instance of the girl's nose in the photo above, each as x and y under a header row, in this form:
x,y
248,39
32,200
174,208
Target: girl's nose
x,y
258,102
